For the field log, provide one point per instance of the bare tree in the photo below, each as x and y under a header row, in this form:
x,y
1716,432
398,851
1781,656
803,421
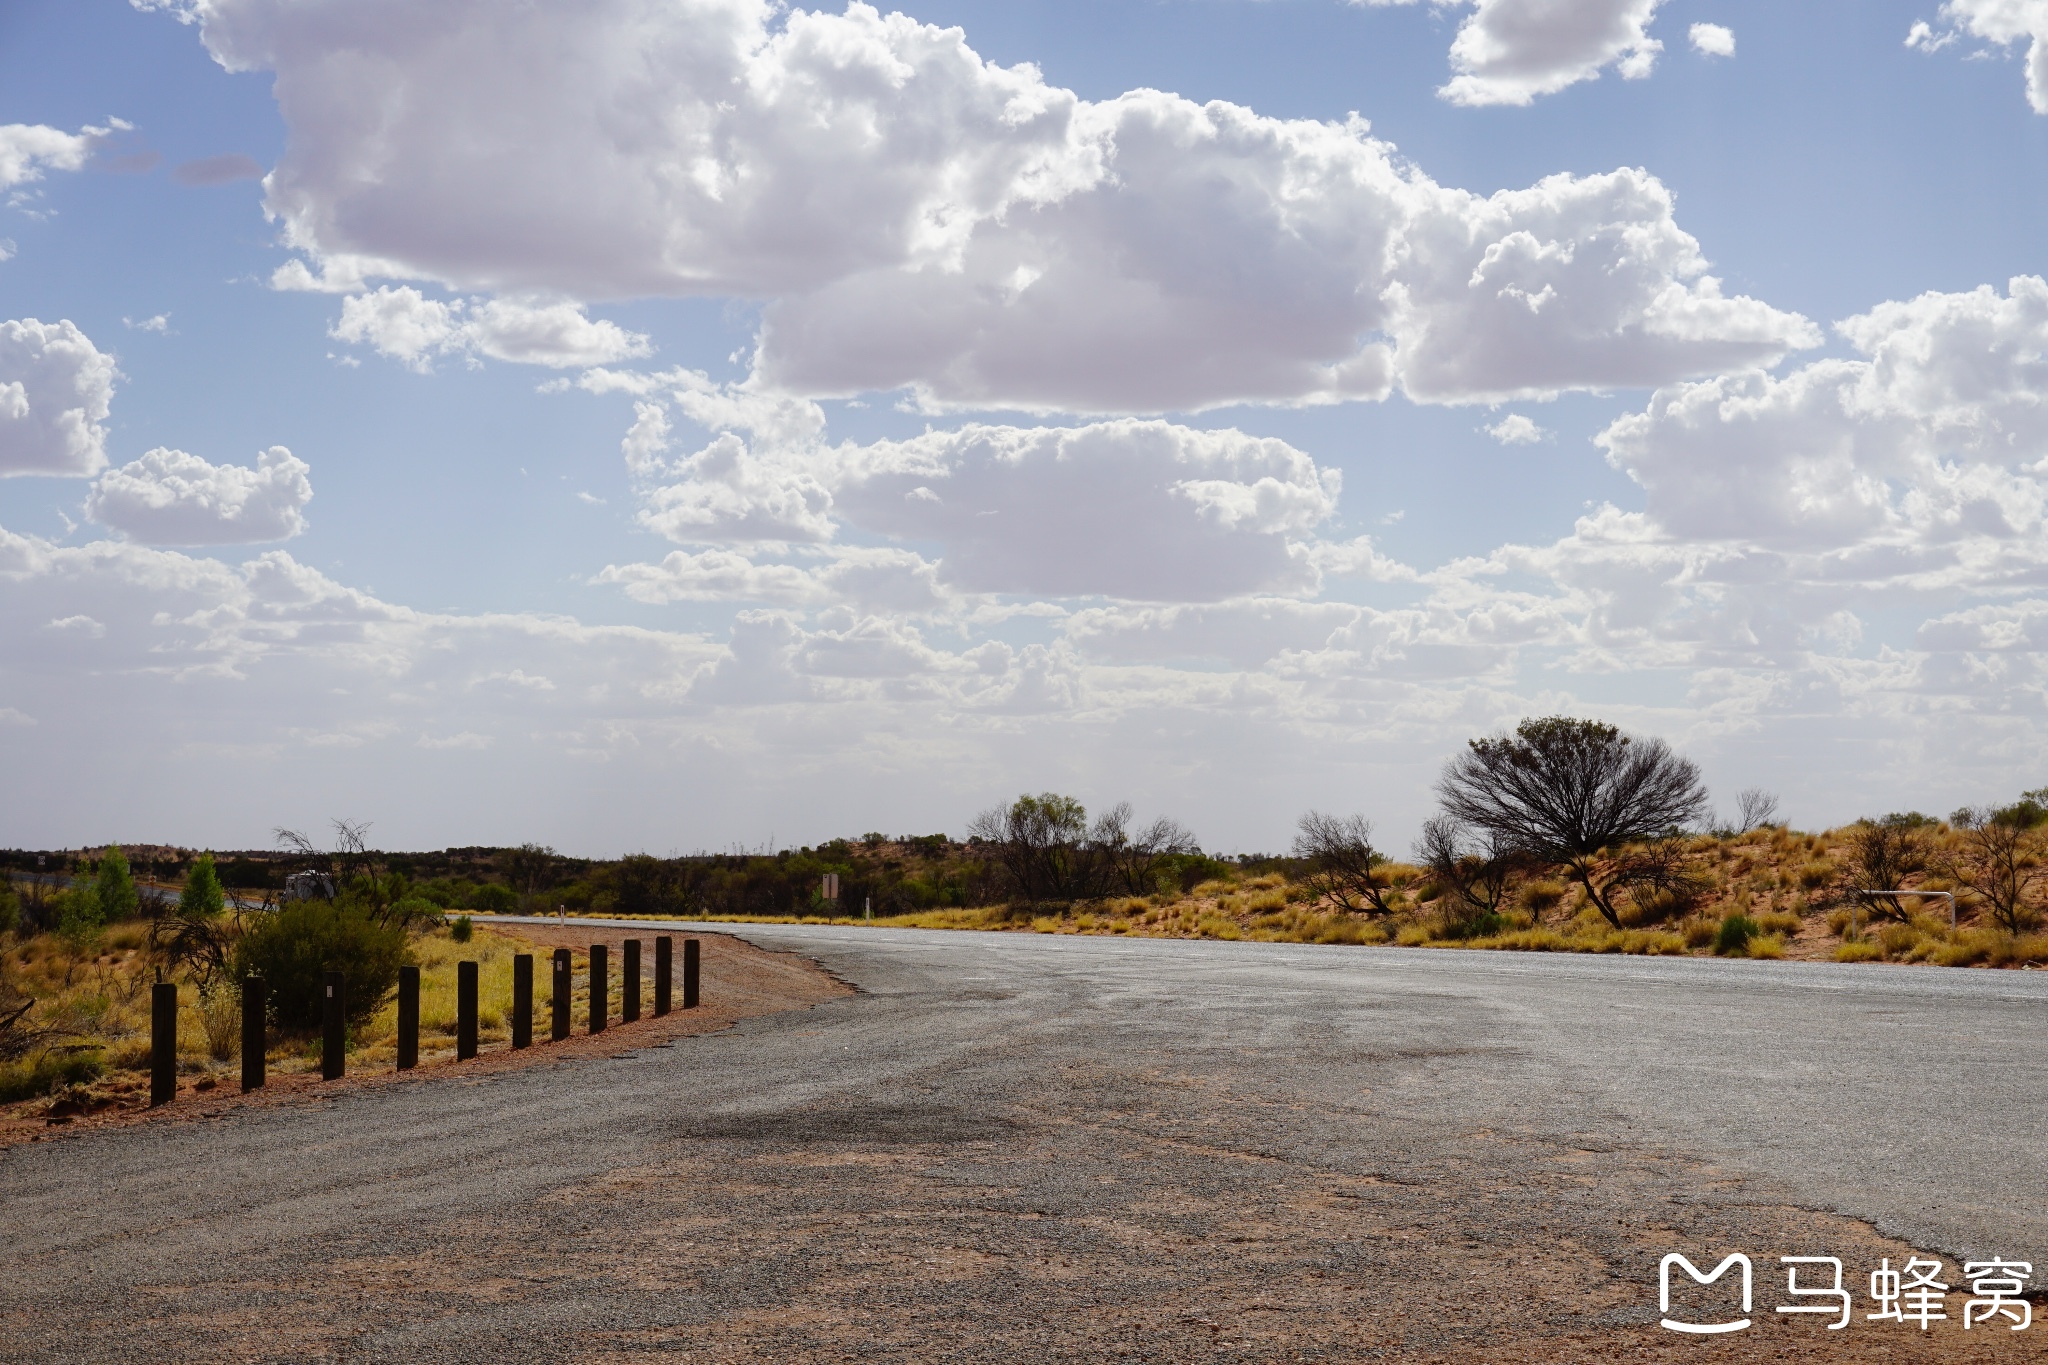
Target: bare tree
x,y
1754,809
1131,857
1882,854
1474,874
1572,794
1997,856
1342,863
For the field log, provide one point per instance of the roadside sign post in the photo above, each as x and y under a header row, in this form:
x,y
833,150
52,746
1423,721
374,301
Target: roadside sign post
x,y
664,972
600,987
465,1011
163,1043
408,1018
255,1039
629,1004
832,892
689,973
333,1037
563,984
522,1000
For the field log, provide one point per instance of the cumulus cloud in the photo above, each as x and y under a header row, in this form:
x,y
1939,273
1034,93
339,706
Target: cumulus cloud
x,y
1712,40
915,217
1931,442
1132,509
29,149
55,391
1127,508
1511,51
2004,22
171,498
1516,430
406,325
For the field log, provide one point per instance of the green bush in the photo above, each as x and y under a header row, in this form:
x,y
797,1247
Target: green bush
x,y
495,899
26,1079
10,908
292,949
463,929
1736,932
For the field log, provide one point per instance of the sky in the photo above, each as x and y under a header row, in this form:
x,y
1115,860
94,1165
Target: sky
x,y
680,425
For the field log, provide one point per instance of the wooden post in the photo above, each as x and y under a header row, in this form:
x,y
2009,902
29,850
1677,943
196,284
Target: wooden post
x,y
600,987
563,983
408,1018
465,1011
333,1034
664,972
689,973
163,1043
255,1033
522,1000
629,1006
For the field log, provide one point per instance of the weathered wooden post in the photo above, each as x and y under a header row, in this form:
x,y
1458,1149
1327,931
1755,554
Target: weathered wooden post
x,y
408,1018
664,972
629,1005
600,987
255,1031
689,973
163,1043
465,1011
561,998
333,1035
522,1000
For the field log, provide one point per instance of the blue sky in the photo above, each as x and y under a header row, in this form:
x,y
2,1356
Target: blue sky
x,y
906,429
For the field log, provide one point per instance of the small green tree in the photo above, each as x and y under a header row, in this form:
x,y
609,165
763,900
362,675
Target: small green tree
x,y
202,897
114,886
78,911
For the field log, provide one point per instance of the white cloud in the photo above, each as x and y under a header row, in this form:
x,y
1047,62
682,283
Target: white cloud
x,y
1931,444
406,325
28,149
1516,430
915,217
159,323
2004,22
1133,509
1712,40
1511,51
171,498
55,391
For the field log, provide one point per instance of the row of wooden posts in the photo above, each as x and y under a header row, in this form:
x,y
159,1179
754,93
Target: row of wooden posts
x,y
163,1024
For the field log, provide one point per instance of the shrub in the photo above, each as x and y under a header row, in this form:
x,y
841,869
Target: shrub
x,y
463,929
1778,922
1699,932
10,908
25,1080
1859,950
292,948
1539,897
220,1018
1767,946
1735,933
495,899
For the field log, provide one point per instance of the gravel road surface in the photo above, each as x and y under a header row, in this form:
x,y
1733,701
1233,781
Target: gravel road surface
x,y
1016,1147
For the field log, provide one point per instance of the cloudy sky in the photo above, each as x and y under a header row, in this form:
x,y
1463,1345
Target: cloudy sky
x,y
681,424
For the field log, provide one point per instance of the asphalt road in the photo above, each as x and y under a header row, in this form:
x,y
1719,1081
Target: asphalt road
x,y
1023,1147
